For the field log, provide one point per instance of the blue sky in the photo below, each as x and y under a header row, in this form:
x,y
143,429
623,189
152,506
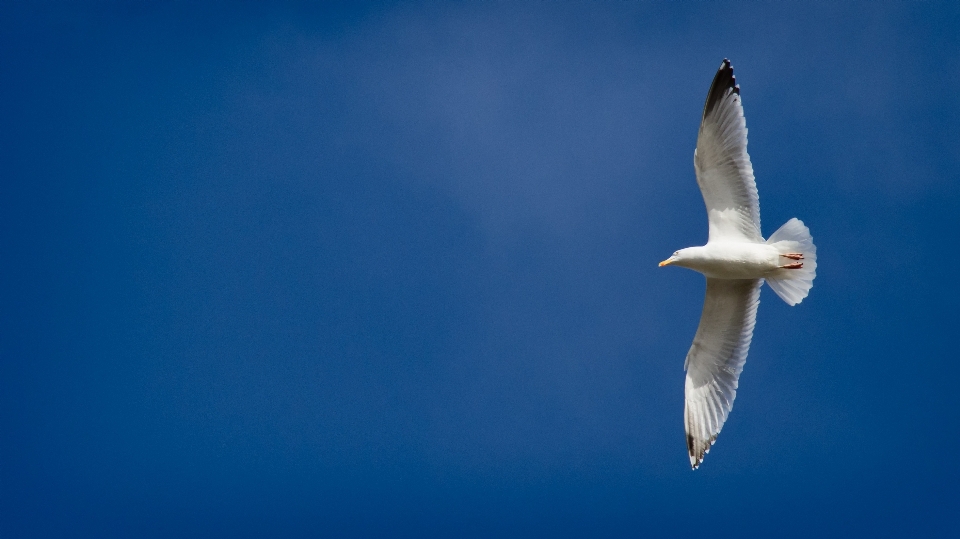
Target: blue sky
x,y
391,270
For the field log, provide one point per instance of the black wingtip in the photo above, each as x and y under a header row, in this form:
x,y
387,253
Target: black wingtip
x,y
698,451
722,82
695,458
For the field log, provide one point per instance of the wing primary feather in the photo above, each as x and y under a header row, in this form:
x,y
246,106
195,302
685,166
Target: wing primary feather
x,y
722,81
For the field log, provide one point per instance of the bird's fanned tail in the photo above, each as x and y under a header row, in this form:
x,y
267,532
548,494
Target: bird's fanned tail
x,y
793,238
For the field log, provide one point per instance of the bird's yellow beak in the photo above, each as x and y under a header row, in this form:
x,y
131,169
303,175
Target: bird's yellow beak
x,y
667,262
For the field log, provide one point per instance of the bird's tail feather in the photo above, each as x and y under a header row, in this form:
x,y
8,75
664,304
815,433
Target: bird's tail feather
x,y
793,284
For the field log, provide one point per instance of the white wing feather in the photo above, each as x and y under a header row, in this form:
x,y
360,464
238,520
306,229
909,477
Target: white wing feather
x,y
723,167
716,359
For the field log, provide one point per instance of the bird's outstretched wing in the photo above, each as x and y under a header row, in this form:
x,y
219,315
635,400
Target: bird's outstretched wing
x,y
716,359
723,167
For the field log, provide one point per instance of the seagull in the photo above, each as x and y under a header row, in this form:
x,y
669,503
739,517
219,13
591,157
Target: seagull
x,y
736,261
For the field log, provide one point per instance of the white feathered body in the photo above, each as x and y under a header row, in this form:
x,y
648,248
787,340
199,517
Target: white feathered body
x,y
731,260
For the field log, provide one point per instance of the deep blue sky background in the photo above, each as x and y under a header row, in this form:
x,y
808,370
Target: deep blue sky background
x,y
392,270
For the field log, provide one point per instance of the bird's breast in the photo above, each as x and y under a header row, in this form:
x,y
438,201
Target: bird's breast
x,y
739,260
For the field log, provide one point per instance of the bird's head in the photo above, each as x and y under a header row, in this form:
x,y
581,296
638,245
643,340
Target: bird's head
x,y
678,258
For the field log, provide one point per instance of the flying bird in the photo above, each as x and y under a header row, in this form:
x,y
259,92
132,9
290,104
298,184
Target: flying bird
x,y
736,261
